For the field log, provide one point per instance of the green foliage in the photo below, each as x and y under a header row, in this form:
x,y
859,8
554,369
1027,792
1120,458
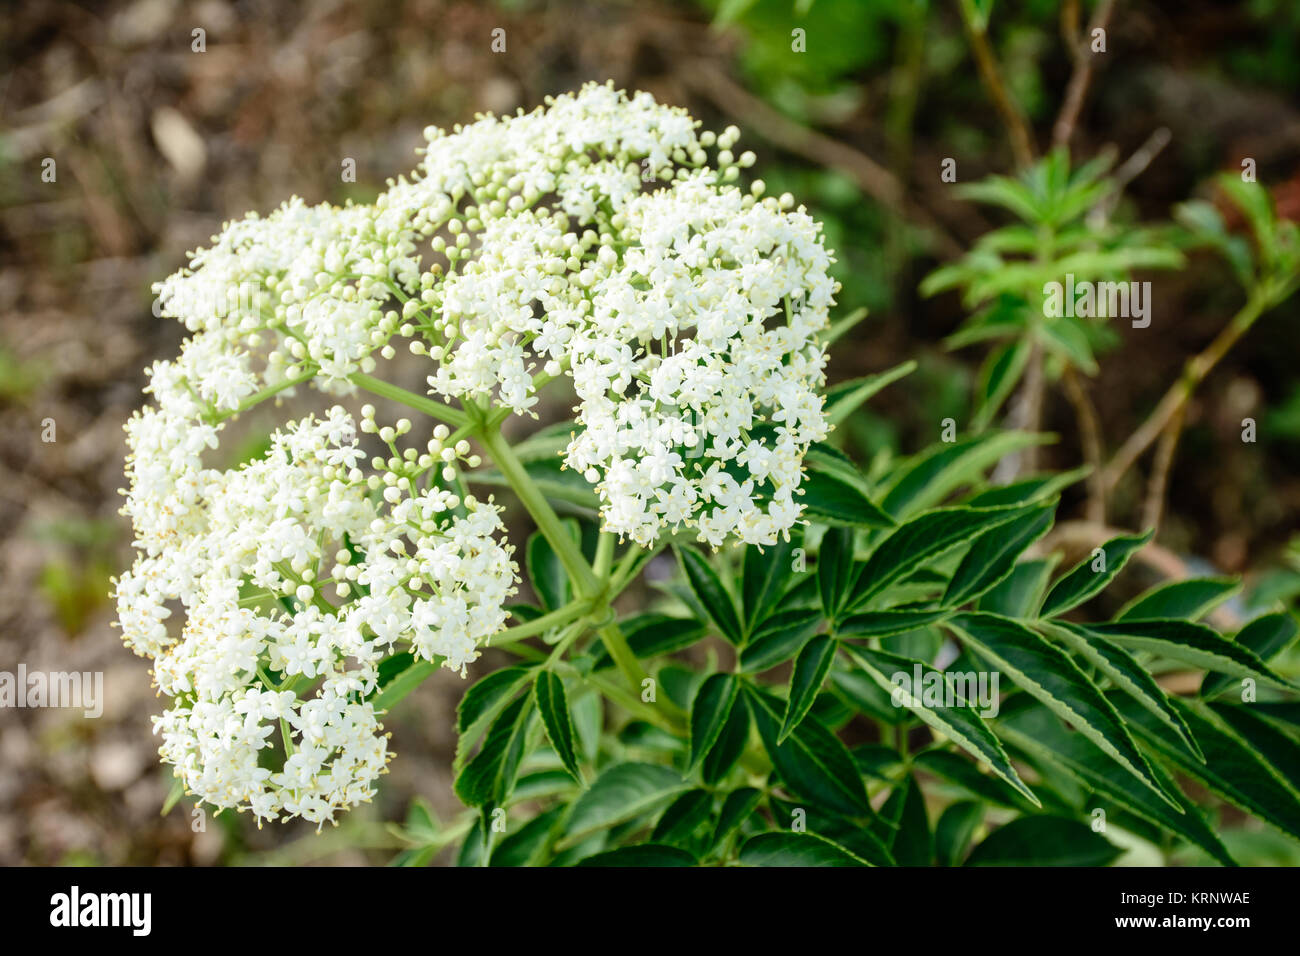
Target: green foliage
x,y
1058,236
735,749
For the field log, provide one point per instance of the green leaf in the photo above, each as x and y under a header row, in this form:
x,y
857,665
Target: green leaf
x,y
653,635
846,833
810,670
811,761
766,573
728,748
964,774
844,399
1020,592
834,569
960,723
929,478
1183,600
1047,673
588,711
173,795
861,693
1271,744
399,686
1265,636
993,555
527,845
547,443
1003,191
842,325
736,809
1193,644
1066,339
481,704
1035,489
1006,316
955,829
1091,575
476,848
911,843
644,854
709,713
683,817
831,499
911,545
1034,730
542,784
1254,201
1206,226
1232,769
779,640
522,612
708,588
488,779
623,792
415,856
998,378
553,705
1125,672
877,624
1044,841
546,572
786,848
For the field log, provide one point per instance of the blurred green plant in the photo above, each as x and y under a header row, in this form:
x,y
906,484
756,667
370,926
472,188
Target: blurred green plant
x,y
76,577
1005,278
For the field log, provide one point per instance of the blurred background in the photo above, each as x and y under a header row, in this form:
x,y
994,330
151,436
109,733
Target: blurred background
x,y
158,134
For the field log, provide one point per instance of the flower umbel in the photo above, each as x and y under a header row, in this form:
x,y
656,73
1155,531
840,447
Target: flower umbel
x,y
602,240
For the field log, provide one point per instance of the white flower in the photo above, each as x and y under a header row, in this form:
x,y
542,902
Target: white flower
x,y
589,239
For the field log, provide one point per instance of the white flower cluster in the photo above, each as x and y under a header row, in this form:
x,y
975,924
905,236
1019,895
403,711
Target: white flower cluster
x,y
263,649
686,311
600,238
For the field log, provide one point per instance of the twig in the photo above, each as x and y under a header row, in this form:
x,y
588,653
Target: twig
x,y
1077,90
1164,461
873,179
1181,391
1026,414
1090,438
1136,165
985,60
1129,170
1070,30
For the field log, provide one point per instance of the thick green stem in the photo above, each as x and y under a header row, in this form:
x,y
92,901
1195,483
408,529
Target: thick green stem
x,y
377,386
585,581
547,521
557,618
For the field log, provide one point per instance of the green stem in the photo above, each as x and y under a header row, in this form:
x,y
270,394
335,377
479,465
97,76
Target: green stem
x,y
604,555
538,625
261,396
547,521
650,713
377,386
585,581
